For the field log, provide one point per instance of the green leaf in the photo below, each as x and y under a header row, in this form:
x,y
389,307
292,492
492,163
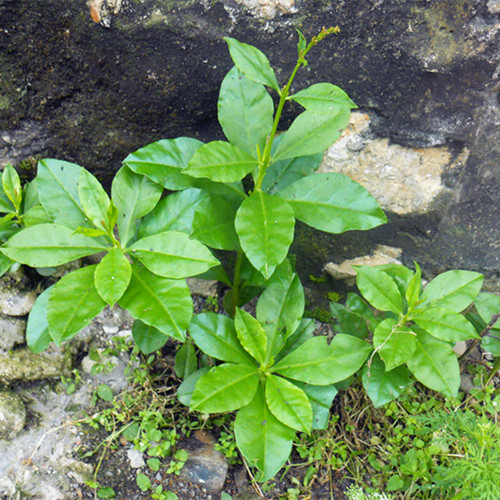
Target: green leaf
x,y
186,362
5,264
401,275
318,363
302,334
288,403
252,63
445,325
94,200
36,215
105,392
396,344
73,304
37,330
112,276
311,133
435,365
134,196
163,303
173,254
491,342
185,390
148,338
265,442
333,203
452,290
12,186
143,482
302,42
173,213
226,387
323,99
282,173
58,192
265,227
354,317
379,289
251,335
280,309
106,493
220,161
213,223
384,386
245,112
47,245
395,483
163,161
6,205
320,398
413,291
487,305
216,336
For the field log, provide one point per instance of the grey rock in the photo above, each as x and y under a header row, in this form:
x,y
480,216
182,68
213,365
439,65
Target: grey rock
x,y
24,365
202,288
205,465
16,296
11,333
136,459
12,414
114,376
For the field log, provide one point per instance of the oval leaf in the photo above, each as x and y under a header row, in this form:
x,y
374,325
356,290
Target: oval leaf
x,y
48,245
73,304
251,335
487,305
226,387
333,203
173,255
186,361
288,403
185,390
245,111
94,200
265,442
163,303
148,338
445,325
112,276
37,329
265,226
323,99
220,161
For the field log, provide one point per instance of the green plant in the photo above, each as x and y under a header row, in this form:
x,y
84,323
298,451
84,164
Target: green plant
x,y
414,331
357,493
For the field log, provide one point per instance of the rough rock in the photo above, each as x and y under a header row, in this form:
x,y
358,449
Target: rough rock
x,y
136,459
11,333
202,288
205,465
24,365
114,376
12,414
16,295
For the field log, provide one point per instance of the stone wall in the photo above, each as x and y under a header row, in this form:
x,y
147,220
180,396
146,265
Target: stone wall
x,y
91,81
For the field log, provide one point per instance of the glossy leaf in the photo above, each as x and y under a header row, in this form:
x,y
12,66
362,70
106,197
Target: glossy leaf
x,y
11,185
414,287
185,390
173,254
384,386
73,304
47,245
302,334
280,309
251,335
311,133
5,264
320,398
6,205
265,442
302,42
186,362
318,363
401,275
226,387
36,215
333,203
220,161
445,325
163,303
213,223
379,289
265,227
216,336
94,200
288,403
396,344
245,112
112,276
58,192
487,305
163,161
491,342
148,338
37,329
323,99
452,290
252,63
435,365
172,213
353,317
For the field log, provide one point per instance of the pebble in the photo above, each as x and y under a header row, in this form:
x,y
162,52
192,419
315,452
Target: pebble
x,y
136,459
